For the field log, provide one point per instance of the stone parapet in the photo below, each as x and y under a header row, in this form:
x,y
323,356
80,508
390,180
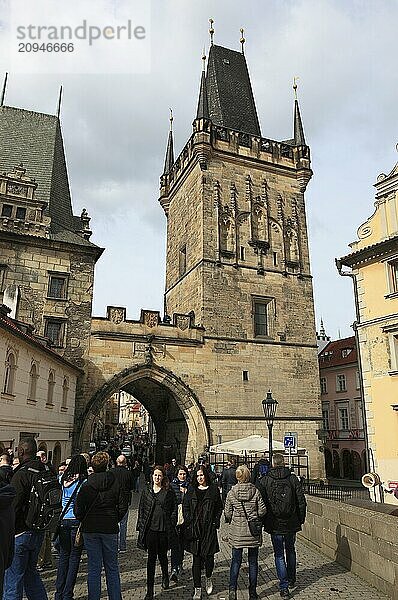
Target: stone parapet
x,y
363,541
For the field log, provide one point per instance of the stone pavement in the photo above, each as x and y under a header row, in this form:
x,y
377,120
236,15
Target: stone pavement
x,y
317,576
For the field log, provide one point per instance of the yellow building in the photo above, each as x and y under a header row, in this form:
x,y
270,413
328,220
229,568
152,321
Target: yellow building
x,y
374,269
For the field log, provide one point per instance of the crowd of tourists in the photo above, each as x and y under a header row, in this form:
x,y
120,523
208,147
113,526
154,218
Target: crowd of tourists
x,y
85,506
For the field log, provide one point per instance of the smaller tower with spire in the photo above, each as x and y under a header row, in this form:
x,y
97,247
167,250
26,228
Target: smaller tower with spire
x,y
169,158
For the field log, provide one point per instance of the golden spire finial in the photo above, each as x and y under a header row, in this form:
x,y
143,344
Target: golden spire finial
x,y
171,119
204,58
295,80
211,30
242,39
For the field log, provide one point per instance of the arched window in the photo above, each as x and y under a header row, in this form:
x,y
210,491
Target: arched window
x,y
65,390
50,388
9,373
33,376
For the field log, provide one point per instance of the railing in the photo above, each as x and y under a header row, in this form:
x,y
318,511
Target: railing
x,y
336,492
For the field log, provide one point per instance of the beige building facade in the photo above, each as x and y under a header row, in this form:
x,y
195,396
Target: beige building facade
x,y
38,390
373,265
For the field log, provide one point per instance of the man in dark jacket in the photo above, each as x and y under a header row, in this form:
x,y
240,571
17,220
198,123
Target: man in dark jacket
x,y
286,509
261,468
7,529
100,506
228,479
126,481
22,573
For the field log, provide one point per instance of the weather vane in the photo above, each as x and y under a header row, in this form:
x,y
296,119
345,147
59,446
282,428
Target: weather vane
x,y
204,58
171,119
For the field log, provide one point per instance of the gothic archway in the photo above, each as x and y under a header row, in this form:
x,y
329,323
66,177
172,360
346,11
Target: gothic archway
x,y
178,417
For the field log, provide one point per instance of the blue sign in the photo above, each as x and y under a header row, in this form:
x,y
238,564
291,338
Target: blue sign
x,y
289,441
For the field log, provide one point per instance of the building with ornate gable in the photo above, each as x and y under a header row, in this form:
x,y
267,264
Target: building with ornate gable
x,y
373,266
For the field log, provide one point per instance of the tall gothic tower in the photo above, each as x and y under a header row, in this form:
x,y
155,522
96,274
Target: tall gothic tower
x,y
237,247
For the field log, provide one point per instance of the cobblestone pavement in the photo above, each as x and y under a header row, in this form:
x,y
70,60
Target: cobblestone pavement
x,y
317,576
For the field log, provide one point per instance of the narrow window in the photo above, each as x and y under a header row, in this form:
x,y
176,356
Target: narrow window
x,y
33,376
275,257
65,390
242,253
343,419
245,375
50,388
183,260
9,373
325,419
264,316
341,384
324,386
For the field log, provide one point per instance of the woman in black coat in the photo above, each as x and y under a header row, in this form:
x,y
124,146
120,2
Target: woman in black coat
x,y
157,518
202,508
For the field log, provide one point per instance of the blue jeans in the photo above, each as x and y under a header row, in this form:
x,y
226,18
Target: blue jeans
x,y
235,567
123,532
23,574
285,558
102,550
68,562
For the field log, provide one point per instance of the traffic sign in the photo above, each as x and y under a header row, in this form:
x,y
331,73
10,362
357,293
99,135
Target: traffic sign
x,y
290,442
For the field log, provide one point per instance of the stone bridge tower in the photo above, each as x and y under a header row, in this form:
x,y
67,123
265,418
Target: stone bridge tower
x,y
239,316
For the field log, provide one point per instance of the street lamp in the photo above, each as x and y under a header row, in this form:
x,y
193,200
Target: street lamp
x,y
269,408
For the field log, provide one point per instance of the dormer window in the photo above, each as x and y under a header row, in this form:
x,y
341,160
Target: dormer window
x,y
345,352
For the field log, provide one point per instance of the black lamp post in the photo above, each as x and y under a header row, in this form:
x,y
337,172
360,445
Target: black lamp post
x,y
269,408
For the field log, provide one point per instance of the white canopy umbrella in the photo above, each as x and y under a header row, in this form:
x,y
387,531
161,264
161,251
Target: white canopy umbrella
x,y
252,444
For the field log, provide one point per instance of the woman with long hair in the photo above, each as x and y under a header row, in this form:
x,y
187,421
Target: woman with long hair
x,y
180,487
243,504
69,556
202,508
157,518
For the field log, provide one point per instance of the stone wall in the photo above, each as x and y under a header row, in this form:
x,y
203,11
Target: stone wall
x,y
363,541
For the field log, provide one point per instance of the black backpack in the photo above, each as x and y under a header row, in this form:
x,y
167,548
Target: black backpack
x,y
281,497
45,501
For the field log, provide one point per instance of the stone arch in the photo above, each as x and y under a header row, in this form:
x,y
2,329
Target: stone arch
x,y
277,245
346,461
328,463
336,464
173,406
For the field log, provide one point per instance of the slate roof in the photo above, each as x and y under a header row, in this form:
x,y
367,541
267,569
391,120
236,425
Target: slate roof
x,y
229,91
35,139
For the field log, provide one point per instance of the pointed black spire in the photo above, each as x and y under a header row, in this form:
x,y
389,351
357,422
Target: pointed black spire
x,y
169,159
299,138
203,106
59,102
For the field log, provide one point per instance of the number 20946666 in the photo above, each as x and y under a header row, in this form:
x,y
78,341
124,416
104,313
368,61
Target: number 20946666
x,y
48,47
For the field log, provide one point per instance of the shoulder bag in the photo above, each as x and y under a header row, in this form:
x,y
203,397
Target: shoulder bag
x,y
255,525
79,534
65,510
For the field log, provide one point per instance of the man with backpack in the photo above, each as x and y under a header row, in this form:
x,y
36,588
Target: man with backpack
x,y
260,469
283,495
37,506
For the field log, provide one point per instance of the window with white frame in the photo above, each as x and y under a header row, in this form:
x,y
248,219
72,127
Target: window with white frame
x,y
33,377
344,423
341,383
325,418
50,388
9,373
392,267
324,385
357,380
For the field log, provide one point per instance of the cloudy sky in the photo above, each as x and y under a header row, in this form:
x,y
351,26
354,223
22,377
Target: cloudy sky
x,y
115,127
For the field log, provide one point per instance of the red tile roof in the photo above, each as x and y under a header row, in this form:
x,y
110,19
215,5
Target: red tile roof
x,y
339,352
